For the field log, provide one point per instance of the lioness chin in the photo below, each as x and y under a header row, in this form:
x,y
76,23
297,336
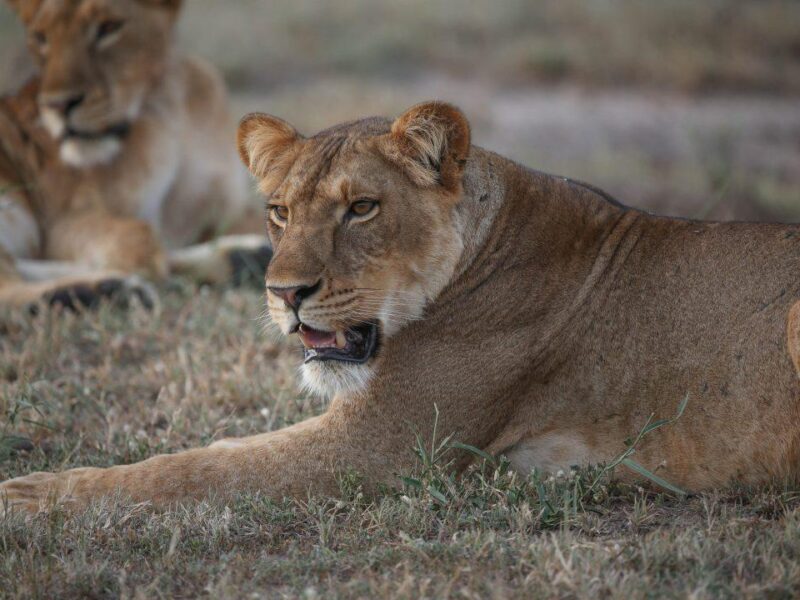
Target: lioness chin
x,y
545,321
117,156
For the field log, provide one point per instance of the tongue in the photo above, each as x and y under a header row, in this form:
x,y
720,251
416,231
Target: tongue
x,y
312,338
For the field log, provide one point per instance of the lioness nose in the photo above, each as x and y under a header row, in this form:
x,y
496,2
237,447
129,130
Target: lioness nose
x,y
293,296
63,103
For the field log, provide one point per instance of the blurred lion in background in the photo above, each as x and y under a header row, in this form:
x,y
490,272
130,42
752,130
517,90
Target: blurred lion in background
x,y
117,160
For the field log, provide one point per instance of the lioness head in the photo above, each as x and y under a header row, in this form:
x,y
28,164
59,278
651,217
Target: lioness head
x,y
98,60
364,228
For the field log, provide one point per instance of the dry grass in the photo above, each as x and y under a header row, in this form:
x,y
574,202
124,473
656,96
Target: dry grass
x,y
111,387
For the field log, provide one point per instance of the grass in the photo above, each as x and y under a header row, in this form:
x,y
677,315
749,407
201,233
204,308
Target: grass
x,y
111,387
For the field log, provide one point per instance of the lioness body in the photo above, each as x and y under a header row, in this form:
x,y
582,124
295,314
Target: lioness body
x,y
142,165
565,322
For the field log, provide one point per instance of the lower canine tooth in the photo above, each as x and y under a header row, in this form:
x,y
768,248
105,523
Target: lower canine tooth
x,y
341,342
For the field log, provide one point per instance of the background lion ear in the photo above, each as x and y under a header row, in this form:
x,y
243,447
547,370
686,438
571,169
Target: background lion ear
x,y
432,140
267,146
26,9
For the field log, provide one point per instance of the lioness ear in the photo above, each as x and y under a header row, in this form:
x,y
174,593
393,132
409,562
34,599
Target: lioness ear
x,y
432,140
26,9
267,146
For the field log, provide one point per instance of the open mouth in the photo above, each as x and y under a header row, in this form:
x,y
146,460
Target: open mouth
x,y
119,130
355,344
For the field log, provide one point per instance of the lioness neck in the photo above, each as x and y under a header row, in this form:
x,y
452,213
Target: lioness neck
x,y
536,248
511,214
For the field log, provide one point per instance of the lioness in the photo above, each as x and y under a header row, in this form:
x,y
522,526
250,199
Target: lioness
x,y
544,319
115,157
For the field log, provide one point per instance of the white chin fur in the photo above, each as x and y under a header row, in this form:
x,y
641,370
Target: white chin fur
x,y
88,153
330,378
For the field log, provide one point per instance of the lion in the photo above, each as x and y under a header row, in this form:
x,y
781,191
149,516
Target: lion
x,y
116,160
537,316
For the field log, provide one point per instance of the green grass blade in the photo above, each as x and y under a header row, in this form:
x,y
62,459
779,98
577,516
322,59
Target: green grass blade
x,y
660,481
473,450
437,494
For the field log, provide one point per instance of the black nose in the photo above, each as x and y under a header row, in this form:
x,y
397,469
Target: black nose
x,y
65,104
293,296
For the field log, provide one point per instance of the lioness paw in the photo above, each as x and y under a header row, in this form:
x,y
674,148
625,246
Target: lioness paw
x,y
31,493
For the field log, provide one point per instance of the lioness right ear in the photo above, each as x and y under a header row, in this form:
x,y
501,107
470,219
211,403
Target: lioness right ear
x,y
268,146
432,141
26,9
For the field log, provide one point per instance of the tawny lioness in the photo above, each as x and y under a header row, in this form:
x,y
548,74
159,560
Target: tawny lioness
x,y
545,320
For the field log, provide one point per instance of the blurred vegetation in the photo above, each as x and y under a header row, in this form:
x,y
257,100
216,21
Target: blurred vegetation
x,y
685,45
678,44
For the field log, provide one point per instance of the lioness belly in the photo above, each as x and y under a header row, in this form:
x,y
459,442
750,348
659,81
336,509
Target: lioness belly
x,y
552,452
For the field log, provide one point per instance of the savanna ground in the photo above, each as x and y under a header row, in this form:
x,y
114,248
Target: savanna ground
x,y
687,108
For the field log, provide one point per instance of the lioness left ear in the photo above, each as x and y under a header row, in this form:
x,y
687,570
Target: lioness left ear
x,y
267,146
432,141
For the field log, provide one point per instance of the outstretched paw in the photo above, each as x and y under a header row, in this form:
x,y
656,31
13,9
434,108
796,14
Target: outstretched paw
x,y
39,492
119,291
30,494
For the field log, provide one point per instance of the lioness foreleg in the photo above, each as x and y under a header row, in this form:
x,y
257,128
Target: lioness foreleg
x,y
291,462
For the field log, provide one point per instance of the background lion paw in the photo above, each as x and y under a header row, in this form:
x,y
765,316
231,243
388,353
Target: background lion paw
x,y
119,291
238,259
249,265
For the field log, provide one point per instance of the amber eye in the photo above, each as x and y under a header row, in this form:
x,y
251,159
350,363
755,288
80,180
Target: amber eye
x,y
106,28
279,214
362,208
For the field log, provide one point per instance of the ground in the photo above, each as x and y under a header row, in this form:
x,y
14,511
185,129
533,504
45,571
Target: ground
x,y
114,387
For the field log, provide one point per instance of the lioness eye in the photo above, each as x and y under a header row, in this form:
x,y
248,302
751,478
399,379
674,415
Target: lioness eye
x,y
280,214
362,208
108,27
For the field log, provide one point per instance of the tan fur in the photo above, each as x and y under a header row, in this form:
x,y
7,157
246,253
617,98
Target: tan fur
x,y
794,335
543,319
121,202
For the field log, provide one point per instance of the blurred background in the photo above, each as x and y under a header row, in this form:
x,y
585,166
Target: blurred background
x,y
683,107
